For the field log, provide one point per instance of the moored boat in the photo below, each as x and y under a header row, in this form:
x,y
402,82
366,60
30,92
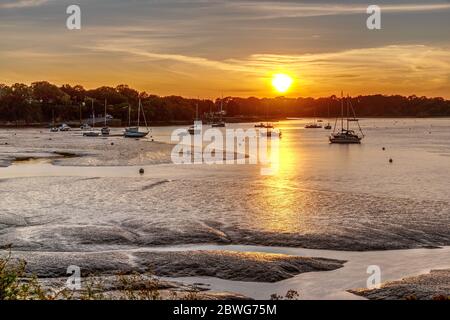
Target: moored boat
x,y
345,135
134,132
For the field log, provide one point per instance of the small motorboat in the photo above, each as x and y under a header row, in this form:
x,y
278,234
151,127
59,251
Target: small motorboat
x,y
54,129
64,127
91,133
219,124
271,133
328,127
194,130
105,131
264,125
85,127
313,126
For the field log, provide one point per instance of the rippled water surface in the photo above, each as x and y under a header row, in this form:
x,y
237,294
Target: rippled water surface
x,y
323,196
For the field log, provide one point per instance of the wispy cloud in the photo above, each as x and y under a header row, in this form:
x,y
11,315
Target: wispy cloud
x,y
393,68
21,4
272,10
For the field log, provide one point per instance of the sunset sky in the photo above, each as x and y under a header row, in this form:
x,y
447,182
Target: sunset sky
x,y
209,48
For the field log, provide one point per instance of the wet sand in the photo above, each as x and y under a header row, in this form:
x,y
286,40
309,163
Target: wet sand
x,y
95,209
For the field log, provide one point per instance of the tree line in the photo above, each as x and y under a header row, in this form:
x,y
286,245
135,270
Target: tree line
x,y
42,101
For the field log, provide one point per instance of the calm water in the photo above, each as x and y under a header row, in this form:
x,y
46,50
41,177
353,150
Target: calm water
x,y
420,149
348,193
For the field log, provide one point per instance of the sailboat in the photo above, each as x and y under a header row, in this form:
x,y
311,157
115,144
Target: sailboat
x,y
346,135
134,132
313,125
266,125
328,126
92,132
220,123
105,130
53,128
194,130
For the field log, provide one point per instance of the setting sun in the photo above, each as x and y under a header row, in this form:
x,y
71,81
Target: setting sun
x,y
282,82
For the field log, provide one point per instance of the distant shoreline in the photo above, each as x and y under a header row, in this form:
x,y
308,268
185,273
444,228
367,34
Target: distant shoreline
x,y
76,124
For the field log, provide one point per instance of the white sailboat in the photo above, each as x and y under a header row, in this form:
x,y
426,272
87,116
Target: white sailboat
x,y
314,125
345,135
220,123
91,132
134,132
105,130
328,126
53,128
195,129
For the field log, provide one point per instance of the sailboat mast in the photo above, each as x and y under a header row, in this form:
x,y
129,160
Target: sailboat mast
x,y
105,111
139,112
342,110
129,115
93,113
348,111
221,108
196,111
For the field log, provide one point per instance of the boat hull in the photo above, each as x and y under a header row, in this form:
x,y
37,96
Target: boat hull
x,y
345,140
91,134
135,134
105,131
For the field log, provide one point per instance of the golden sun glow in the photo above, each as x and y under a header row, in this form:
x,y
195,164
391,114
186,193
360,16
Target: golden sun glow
x,y
282,82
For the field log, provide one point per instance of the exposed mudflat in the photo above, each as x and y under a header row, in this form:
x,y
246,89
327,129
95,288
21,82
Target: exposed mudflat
x,y
248,266
434,285
98,213
97,151
68,199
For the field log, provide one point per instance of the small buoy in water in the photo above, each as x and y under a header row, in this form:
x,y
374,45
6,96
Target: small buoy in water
x,y
390,160
112,143
153,140
141,171
384,148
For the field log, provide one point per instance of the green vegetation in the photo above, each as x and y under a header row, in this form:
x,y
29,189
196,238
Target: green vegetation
x,y
290,295
24,105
